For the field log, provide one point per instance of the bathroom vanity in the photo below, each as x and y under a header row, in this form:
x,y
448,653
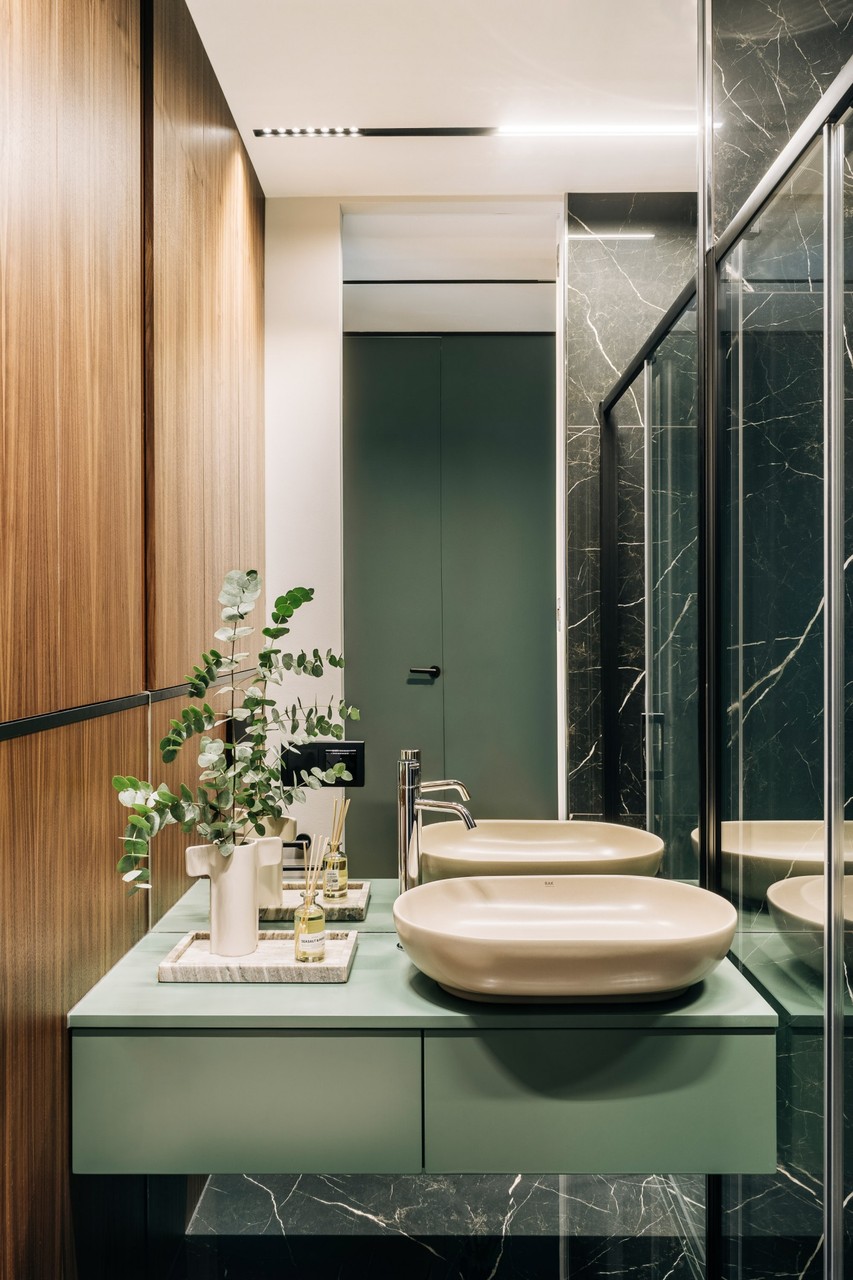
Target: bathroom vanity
x,y
401,1077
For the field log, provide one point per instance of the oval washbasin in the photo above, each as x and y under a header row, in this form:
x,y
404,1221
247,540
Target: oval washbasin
x,y
758,853
506,847
798,910
564,937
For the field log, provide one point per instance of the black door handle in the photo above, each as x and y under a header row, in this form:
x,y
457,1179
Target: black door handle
x,y
432,671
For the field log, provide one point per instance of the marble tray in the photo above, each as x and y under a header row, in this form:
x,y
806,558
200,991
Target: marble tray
x,y
274,961
352,907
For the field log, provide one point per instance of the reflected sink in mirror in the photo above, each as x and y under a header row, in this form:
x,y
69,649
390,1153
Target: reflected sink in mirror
x,y
565,938
503,847
758,854
798,909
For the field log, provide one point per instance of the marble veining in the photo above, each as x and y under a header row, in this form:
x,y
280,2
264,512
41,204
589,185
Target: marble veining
x,y
772,62
459,1227
617,290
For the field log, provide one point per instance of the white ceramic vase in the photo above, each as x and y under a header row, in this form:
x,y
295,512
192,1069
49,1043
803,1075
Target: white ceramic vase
x,y
270,877
234,891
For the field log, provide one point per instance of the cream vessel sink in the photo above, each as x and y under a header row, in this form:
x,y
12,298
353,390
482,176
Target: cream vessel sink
x,y
798,909
758,853
564,937
503,847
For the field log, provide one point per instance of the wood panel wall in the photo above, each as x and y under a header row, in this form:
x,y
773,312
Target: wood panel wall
x,y
205,442
131,445
71,557
65,921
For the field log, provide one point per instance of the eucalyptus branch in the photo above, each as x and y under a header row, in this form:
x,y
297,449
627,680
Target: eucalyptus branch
x,y
237,793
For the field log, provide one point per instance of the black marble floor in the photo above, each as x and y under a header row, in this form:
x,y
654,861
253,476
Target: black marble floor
x,y
471,1227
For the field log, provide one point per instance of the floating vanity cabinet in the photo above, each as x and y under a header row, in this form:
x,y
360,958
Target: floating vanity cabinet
x,y
236,1078
247,1102
598,1100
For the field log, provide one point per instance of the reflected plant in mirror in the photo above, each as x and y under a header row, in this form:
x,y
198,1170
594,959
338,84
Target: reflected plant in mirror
x,y
240,793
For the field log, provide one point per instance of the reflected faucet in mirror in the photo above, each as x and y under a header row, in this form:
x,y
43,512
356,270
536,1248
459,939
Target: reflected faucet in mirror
x,y
411,803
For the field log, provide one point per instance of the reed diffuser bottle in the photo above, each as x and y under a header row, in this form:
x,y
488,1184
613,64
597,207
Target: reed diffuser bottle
x,y
309,930
335,876
335,879
309,920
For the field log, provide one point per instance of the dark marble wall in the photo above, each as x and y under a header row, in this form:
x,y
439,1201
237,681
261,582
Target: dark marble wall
x,y
616,292
772,62
773,1224
429,1227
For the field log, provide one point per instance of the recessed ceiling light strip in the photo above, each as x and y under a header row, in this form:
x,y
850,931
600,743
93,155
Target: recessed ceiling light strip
x,y
502,131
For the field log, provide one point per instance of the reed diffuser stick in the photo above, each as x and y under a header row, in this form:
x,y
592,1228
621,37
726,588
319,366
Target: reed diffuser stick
x,y
313,863
338,817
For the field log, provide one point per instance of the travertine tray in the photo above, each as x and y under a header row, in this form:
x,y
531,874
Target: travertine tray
x,y
274,961
352,907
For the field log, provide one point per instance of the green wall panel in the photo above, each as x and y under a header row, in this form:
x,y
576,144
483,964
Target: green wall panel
x,y
449,559
499,571
392,574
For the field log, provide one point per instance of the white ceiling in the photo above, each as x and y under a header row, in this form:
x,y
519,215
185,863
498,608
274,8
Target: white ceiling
x,y
397,63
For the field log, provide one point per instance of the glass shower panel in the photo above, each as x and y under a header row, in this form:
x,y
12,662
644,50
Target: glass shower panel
x,y
772,594
672,535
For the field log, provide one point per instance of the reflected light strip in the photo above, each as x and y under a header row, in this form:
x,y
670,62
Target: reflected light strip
x,y
610,235
599,130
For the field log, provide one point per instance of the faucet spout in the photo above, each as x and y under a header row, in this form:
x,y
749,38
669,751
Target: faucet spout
x,y
450,784
446,806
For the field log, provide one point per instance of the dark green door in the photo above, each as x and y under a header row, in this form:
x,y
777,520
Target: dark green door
x,y
449,548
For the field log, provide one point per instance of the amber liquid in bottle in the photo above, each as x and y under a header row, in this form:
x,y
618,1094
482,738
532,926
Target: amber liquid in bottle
x,y
335,878
309,930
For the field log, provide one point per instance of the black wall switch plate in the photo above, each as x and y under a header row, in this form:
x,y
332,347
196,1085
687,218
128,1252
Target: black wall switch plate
x,y
322,754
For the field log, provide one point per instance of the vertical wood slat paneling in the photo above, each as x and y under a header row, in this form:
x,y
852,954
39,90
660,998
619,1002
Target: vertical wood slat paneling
x,y
70,334
207,436
66,920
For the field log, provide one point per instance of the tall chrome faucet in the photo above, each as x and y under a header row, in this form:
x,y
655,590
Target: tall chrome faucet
x,y
410,806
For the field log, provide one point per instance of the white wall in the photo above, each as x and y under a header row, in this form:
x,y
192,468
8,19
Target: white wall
x,y
303,437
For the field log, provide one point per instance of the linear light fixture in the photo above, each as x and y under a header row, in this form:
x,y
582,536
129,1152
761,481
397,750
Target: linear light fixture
x,y
309,131
500,131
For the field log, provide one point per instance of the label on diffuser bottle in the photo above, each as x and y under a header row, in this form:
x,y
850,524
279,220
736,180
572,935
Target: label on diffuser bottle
x,y
312,944
332,880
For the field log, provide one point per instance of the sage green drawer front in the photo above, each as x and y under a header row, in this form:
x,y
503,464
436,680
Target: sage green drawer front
x,y
599,1101
226,1102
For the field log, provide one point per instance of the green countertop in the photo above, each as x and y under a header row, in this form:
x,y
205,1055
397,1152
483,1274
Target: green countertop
x,y
385,991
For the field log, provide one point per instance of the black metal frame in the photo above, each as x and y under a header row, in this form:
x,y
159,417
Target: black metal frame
x,y
10,729
608,480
